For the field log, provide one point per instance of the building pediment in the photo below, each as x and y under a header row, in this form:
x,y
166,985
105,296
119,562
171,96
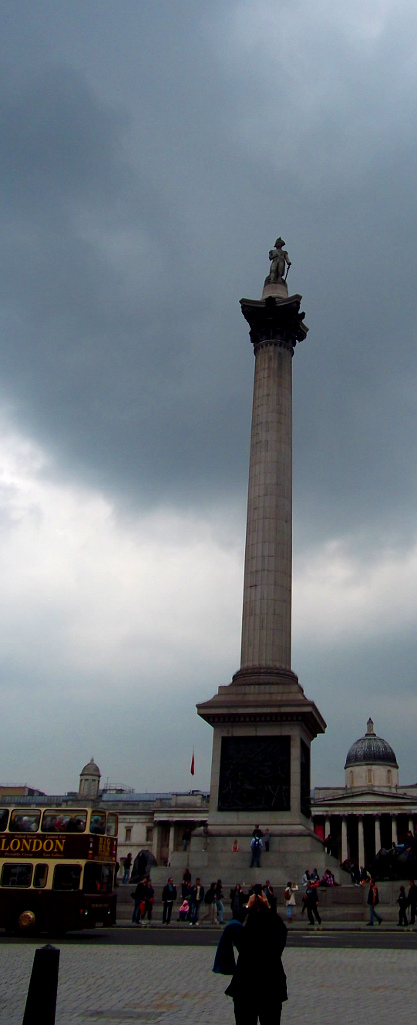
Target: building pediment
x,y
360,799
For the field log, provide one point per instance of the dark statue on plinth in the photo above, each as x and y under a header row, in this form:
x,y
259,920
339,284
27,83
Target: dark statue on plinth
x,y
279,260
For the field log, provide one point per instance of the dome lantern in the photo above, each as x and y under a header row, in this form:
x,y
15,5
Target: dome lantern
x,y
89,780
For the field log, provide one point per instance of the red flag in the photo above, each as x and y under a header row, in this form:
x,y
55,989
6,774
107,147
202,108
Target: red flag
x,y
192,765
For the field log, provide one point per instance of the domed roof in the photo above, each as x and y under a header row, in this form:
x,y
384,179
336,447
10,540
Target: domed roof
x,y
371,748
91,769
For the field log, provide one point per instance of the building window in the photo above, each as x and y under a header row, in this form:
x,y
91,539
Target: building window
x,y
149,834
128,834
351,779
370,776
389,777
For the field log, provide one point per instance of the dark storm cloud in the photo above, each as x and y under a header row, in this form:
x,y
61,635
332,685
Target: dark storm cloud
x,y
101,354
127,244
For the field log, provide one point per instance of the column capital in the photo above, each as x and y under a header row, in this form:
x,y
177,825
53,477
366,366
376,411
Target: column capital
x,y
277,321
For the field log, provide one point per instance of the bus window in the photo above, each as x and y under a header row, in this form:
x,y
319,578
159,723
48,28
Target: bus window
x,y
111,825
66,877
98,822
98,878
4,815
40,876
16,875
69,822
24,821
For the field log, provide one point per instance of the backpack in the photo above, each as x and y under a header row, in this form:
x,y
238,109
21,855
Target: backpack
x,y
287,893
255,842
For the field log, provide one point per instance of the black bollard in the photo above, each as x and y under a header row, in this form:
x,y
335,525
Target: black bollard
x,y
43,986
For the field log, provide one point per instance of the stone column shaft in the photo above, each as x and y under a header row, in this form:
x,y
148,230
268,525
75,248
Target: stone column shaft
x,y
171,843
266,621
377,834
344,851
361,843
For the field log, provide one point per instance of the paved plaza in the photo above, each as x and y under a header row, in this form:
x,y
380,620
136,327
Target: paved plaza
x,y
175,986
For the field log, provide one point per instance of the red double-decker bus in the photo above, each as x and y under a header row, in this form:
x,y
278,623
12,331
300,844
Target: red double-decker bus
x,y
56,869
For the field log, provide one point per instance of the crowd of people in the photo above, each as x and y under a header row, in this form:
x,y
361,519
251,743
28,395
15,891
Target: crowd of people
x,y
199,904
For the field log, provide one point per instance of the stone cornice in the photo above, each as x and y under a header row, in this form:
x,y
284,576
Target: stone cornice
x,y
264,697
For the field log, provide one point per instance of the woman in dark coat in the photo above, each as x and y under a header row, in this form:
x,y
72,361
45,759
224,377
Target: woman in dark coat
x,y
258,985
237,902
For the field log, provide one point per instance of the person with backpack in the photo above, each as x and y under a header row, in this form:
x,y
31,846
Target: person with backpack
x,y
256,848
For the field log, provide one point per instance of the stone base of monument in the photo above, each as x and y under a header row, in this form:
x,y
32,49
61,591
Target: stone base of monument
x,y
263,726
290,854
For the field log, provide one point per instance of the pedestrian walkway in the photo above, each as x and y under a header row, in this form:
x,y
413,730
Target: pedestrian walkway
x,y
111,985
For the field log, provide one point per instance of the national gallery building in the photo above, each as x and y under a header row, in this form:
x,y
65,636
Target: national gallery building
x,y
372,810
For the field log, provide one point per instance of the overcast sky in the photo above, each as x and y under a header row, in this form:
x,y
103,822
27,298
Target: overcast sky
x,y
151,154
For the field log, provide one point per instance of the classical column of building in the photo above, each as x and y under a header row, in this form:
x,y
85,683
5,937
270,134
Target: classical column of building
x,y
344,840
361,842
377,833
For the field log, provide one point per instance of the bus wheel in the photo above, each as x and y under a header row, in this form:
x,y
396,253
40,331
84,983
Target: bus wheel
x,y
27,924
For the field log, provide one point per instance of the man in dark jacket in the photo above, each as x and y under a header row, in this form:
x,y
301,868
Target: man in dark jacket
x,y
311,902
169,894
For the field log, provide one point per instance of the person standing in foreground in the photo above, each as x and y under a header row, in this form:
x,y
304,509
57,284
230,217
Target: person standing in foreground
x,y
312,899
127,864
149,901
402,902
373,900
169,894
258,985
289,898
138,896
196,898
412,901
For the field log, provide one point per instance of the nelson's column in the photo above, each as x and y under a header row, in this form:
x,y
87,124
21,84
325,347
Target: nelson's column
x,y
263,724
